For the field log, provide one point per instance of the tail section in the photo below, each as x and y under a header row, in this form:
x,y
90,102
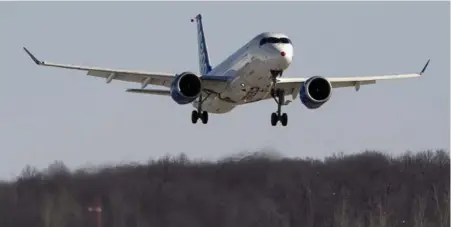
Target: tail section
x,y
204,60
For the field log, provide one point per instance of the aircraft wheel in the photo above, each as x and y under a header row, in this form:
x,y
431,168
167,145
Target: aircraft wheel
x,y
194,117
274,119
284,119
204,117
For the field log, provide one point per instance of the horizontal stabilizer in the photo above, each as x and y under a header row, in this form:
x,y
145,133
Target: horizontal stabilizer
x,y
150,91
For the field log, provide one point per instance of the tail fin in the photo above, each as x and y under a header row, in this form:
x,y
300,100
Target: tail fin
x,y
204,60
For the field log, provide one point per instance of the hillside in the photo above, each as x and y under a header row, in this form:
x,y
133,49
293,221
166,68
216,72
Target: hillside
x,y
367,189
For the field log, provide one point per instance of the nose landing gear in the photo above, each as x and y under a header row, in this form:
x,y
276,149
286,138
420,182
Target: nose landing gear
x,y
278,96
276,73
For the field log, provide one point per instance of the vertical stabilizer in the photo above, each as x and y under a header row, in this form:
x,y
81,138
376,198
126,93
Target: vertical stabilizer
x,y
204,60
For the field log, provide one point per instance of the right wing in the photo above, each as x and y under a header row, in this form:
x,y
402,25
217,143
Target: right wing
x,y
144,78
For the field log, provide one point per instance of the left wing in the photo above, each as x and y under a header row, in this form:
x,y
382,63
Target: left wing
x,y
292,86
144,78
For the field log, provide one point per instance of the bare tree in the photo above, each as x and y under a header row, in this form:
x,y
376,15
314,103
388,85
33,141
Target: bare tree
x,y
419,212
369,189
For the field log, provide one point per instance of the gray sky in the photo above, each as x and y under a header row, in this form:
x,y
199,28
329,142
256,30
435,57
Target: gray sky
x,y
52,114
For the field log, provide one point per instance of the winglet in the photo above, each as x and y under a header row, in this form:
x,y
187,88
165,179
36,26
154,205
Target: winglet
x,y
33,57
425,66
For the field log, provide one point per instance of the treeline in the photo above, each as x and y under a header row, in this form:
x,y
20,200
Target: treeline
x,y
369,189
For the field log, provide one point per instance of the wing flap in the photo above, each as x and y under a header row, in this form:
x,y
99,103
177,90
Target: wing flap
x,y
338,82
154,79
150,91
353,83
290,88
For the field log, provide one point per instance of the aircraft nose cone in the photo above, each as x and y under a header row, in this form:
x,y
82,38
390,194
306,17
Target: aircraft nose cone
x,y
279,56
285,59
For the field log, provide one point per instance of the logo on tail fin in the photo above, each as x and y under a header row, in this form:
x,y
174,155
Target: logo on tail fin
x,y
204,60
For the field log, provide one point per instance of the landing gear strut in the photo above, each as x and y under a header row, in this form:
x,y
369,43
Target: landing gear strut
x,y
196,114
279,97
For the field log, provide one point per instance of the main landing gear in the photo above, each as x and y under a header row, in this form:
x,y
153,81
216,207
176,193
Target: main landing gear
x,y
196,114
279,97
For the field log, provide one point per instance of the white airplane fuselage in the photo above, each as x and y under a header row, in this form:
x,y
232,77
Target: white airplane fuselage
x,y
249,73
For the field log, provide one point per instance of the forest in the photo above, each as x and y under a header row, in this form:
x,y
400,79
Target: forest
x,y
367,189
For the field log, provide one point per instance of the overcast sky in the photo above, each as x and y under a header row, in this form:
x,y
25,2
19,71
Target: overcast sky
x,y
49,114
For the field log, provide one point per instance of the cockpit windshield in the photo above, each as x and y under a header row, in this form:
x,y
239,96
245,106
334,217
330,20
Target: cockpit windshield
x,y
274,40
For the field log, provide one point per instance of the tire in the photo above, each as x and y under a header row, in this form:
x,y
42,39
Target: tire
x,y
194,117
274,119
204,117
284,119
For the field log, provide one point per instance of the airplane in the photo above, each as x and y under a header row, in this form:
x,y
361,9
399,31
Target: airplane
x,y
253,73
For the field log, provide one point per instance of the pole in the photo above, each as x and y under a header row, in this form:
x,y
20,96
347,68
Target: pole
x,y
97,208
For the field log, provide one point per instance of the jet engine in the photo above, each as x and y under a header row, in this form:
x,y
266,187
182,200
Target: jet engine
x,y
315,92
186,88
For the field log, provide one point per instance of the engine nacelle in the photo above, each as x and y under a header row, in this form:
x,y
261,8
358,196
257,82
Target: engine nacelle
x,y
315,92
186,88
